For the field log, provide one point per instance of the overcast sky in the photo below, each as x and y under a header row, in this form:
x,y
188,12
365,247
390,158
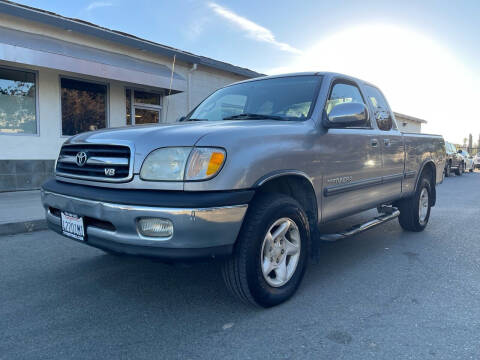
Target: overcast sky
x,y
425,55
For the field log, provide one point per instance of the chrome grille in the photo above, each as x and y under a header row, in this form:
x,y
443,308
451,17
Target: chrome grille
x,y
101,163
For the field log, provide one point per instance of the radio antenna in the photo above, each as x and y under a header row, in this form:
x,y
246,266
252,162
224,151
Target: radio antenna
x,y
170,88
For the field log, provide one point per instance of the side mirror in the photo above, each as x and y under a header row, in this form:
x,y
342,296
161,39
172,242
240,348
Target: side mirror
x,y
344,115
459,151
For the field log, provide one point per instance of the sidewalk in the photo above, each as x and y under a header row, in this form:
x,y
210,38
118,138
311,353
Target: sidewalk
x,y
21,211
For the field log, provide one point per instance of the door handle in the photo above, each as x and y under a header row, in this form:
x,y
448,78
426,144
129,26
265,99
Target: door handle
x,y
386,142
374,142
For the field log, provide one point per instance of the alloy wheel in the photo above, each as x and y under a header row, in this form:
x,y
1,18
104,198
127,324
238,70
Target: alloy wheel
x,y
423,206
280,252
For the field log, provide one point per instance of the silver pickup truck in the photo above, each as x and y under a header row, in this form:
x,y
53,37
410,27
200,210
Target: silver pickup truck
x,y
247,177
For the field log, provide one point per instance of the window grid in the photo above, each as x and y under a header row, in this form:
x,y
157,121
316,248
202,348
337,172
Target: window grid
x,y
132,105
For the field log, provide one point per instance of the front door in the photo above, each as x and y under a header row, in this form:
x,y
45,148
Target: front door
x,y
351,158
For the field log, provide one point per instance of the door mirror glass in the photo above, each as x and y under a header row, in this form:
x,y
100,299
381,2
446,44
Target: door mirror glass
x,y
351,114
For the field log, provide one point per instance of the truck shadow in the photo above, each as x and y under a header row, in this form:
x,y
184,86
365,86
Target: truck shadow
x,y
154,285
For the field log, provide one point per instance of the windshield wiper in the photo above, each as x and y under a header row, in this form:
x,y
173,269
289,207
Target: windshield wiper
x,y
194,119
250,116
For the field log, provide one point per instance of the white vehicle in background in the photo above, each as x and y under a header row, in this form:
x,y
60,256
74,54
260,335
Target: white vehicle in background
x,y
476,161
469,162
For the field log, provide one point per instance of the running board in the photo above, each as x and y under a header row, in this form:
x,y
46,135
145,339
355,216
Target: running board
x,y
388,213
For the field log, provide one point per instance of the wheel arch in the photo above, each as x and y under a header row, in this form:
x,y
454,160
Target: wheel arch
x,y
429,169
295,184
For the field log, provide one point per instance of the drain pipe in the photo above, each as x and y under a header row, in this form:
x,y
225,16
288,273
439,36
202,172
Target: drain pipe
x,y
189,87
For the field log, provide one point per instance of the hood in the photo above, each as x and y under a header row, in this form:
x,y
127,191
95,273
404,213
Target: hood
x,y
146,138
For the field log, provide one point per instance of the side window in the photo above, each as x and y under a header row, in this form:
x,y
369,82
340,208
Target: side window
x,y
381,110
343,93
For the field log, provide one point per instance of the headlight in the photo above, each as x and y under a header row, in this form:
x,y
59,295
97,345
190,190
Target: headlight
x,y
204,163
175,164
166,164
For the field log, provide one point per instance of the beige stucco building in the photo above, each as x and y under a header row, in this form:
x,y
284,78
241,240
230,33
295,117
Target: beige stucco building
x,y
408,123
61,76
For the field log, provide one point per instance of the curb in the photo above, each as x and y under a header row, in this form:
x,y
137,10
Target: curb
x,y
23,227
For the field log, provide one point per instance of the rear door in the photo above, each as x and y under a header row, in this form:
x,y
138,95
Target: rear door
x,y
391,144
351,158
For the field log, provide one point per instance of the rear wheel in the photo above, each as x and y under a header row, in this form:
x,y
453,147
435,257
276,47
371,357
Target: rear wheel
x,y
448,170
460,169
415,211
271,252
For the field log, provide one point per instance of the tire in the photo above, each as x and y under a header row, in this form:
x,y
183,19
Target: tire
x,y
460,169
243,272
410,218
448,170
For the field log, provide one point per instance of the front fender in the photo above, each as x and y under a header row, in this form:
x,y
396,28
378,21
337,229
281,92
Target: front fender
x,y
257,153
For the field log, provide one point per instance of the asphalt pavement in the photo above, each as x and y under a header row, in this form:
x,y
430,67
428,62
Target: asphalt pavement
x,y
384,294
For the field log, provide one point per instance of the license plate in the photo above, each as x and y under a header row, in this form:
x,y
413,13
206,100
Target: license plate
x,y
72,226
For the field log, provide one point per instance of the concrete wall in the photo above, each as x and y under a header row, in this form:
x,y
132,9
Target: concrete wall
x,y
409,126
24,174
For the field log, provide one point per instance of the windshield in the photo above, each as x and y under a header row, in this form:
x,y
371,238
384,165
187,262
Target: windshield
x,y
284,98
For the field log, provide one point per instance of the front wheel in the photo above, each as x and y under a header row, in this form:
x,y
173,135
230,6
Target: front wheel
x,y
415,211
271,252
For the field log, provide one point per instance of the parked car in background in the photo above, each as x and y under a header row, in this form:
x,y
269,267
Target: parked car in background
x,y
455,161
476,161
468,160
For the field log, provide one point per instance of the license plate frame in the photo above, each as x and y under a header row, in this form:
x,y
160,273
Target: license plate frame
x,y
73,226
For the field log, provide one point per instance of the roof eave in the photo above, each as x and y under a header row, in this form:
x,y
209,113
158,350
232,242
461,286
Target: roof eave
x,y
410,118
52,19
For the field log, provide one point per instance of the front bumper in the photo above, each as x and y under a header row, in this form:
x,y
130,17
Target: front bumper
x,y
199,232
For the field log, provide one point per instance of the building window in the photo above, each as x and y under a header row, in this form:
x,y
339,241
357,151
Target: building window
x,y
143,107
84,106
18,113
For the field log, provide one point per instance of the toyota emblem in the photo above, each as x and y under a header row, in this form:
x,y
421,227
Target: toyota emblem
x,y
81,158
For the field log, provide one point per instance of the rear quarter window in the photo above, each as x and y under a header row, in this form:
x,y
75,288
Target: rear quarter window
x,y
381,110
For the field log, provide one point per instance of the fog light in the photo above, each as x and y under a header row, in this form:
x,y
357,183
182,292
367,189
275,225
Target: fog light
x,y
155,227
